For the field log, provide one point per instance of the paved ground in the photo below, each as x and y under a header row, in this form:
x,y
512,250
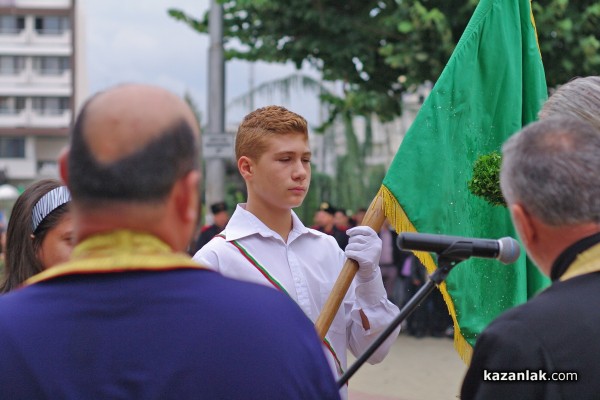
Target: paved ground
x,y
415,369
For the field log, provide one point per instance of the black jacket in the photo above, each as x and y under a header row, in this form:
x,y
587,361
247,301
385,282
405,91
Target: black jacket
x,y
556,331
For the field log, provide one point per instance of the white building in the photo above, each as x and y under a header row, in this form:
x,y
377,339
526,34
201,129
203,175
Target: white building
x,y
42,83
386,137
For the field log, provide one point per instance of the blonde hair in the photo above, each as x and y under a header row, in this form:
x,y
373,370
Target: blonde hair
x,y
261,124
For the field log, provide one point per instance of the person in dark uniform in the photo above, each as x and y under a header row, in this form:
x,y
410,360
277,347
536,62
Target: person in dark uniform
x,y
220,219
548,347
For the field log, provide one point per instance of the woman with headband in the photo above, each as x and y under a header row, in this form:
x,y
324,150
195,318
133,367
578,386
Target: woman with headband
x,y
39,232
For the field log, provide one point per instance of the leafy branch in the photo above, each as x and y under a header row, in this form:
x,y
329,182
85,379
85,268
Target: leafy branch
x,y
485,182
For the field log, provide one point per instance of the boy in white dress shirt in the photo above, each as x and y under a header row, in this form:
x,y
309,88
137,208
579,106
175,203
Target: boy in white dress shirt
x,y
265,242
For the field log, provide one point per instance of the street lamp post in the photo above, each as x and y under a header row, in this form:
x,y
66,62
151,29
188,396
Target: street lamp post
x,y
215,165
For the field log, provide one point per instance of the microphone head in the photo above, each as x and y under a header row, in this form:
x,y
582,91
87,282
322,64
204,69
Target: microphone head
x,y
509,250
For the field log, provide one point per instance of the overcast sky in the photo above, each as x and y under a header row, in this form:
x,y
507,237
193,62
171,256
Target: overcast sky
x,y
137,41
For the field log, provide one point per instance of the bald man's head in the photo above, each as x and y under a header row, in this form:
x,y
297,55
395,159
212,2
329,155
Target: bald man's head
x,y
124,119
131,143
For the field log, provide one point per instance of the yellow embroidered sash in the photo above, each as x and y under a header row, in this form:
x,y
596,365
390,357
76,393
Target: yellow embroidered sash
x,y
118,251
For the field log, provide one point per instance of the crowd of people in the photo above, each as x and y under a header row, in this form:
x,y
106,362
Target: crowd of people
x,y
131,315
100,298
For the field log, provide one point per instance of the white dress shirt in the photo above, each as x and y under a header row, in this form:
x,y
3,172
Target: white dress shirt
x,y
307,266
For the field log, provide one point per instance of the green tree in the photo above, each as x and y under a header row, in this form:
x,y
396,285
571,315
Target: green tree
x,y
569,38
379,49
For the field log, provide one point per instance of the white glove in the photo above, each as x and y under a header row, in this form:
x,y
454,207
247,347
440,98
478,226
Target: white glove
x,y
364,246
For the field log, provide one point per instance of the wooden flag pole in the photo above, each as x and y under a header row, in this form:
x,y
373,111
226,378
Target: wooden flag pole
x,y
374,218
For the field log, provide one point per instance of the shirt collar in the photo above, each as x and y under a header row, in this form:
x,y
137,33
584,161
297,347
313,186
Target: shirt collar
x,y
243,223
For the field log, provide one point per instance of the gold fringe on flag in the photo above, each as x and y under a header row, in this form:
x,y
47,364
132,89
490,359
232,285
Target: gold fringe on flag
x,y
537,40
399,220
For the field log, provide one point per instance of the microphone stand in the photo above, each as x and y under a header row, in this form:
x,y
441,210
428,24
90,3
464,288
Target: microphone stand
x,y
447,260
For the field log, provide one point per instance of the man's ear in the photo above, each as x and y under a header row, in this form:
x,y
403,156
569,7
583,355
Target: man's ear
x,y
246,167
63,165
524,224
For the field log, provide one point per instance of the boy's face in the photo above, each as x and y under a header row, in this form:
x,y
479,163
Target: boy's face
x,y
281,176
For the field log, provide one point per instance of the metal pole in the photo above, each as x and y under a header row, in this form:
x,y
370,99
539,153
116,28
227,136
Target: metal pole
x,y
215,167
251,86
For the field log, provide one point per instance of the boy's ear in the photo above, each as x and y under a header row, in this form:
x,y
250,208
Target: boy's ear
x,y
245,166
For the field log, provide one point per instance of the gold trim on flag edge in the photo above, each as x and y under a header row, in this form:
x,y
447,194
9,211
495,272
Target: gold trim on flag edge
x,y
399,220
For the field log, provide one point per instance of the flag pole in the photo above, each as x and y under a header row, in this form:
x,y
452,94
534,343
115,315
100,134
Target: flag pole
x,y
374,218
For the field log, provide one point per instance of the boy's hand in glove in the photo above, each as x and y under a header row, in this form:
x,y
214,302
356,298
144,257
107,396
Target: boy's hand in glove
x,y
364,246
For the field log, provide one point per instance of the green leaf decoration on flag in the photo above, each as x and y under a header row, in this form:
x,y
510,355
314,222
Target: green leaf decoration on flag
x,y
485,182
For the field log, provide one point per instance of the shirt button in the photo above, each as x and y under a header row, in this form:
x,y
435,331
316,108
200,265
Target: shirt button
x,y
297,279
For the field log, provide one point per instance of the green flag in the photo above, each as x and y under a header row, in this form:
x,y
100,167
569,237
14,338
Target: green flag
x,y
493,85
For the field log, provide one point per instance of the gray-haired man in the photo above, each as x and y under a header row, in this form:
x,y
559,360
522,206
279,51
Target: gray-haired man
x,y
548,348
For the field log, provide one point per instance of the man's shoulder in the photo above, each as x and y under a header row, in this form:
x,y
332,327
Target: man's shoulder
x,y
259,301
269,319
192,285
575,298
576,295
529,314
246,319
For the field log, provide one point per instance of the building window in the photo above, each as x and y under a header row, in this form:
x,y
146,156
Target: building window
x,y
11,105
11,65
52,25
51,105
11,147
51,65
11,24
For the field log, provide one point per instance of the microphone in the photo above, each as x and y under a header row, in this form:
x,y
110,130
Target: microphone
x,y
506,250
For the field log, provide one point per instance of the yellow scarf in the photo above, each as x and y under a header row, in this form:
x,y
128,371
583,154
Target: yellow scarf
x,y
118,251
585,263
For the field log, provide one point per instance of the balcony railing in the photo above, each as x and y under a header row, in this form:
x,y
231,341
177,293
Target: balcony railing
x,y
50,36
45,118
36,36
